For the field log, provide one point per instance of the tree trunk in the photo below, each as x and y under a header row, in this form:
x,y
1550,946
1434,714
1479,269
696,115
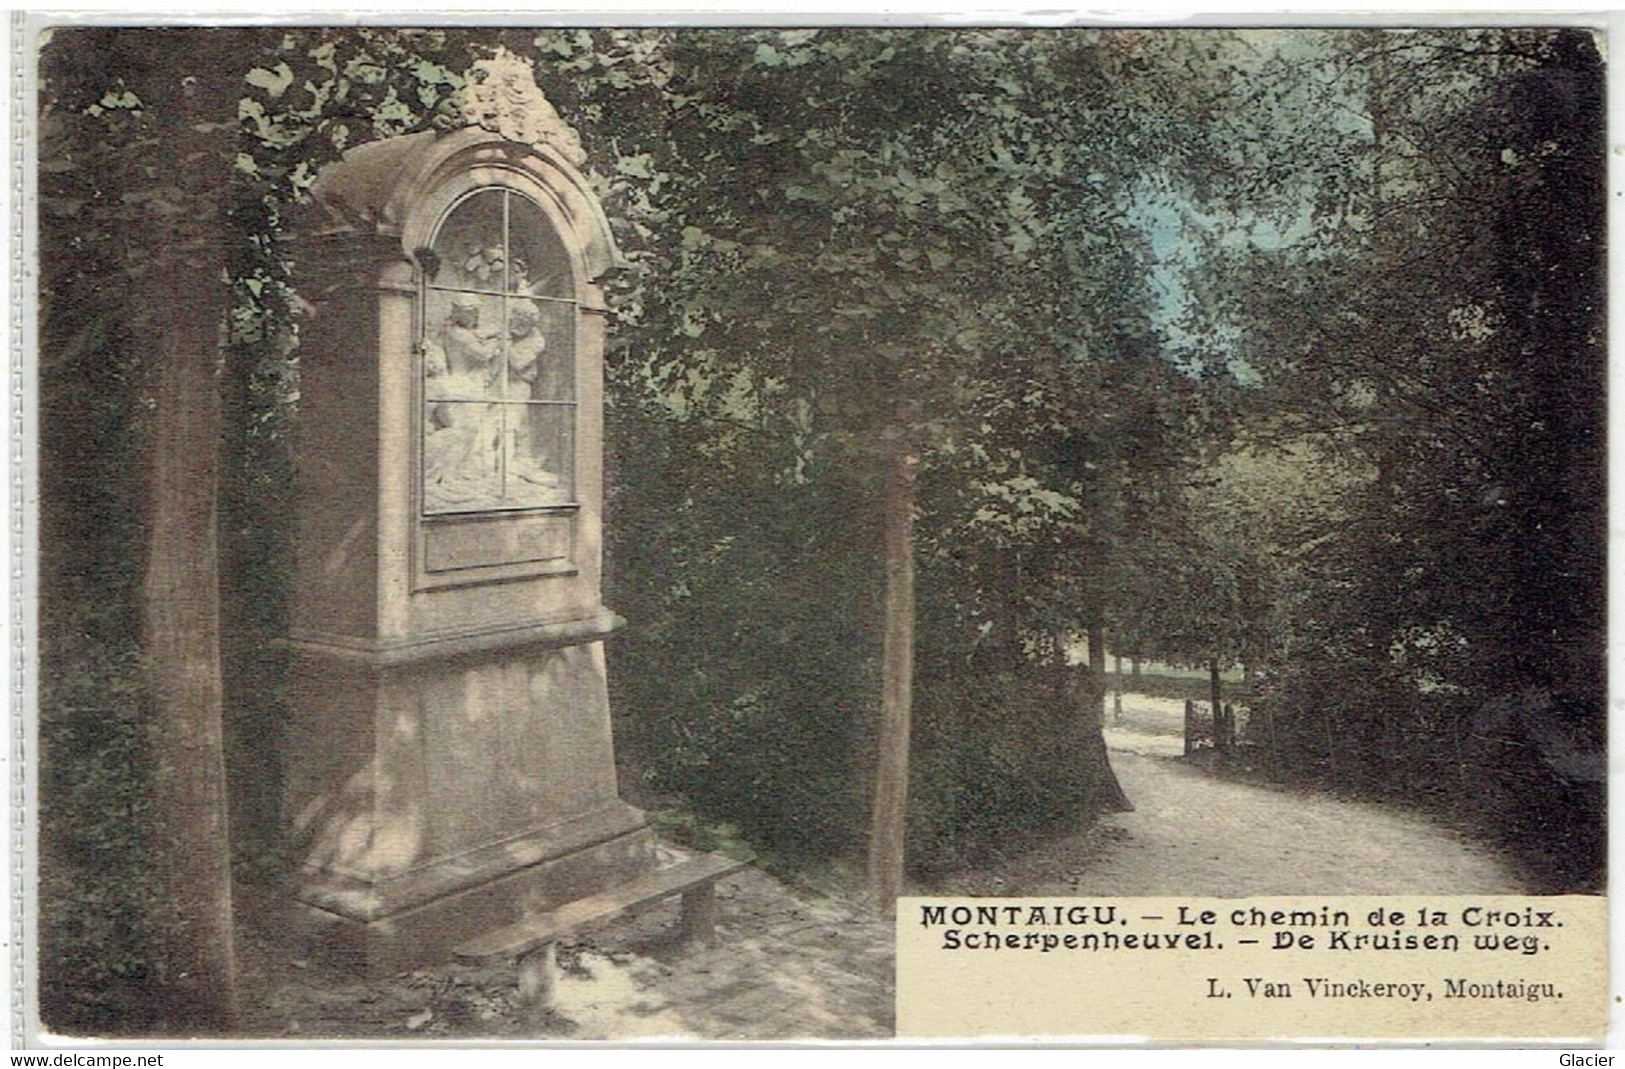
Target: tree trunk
x,y
889,810
1060,671
178,313
1223,737
1110,797
1097,665
181,638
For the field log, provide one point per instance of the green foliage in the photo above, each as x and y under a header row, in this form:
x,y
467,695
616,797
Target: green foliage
x,y
996,761
96,875
745,679
922,235
683,826
95,871
1432,612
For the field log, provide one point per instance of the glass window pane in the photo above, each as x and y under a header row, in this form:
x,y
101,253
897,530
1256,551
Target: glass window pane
x,y
538,455
461,466
462,344
469,247
540,267
498,347
541,351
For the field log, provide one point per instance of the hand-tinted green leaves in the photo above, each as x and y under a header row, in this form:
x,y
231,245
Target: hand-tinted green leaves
x,y
274,81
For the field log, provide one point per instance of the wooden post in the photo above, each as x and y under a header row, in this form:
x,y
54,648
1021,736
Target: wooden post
x,y
699,914
1221,733
1097,668
1230,722
888,813
1061,670
536,970
1117,691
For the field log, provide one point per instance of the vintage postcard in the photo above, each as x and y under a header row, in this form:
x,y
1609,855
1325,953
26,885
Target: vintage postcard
x,y
849,533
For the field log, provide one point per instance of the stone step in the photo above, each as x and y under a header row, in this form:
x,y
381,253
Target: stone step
x,y
694,876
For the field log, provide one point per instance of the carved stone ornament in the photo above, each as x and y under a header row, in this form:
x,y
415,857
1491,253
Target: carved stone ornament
x,y
501,95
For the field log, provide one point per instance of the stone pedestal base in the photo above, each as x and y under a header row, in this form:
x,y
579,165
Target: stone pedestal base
x,y
426,934
434,799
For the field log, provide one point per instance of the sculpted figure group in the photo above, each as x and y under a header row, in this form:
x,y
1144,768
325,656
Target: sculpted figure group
x,y
486,349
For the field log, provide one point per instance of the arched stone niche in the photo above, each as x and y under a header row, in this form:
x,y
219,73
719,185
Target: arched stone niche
x,y
450,763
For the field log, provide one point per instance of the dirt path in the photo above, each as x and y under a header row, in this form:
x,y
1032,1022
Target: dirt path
x,y
1194,835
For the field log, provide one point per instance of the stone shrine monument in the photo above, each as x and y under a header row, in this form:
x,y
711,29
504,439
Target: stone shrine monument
x,y
450,767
